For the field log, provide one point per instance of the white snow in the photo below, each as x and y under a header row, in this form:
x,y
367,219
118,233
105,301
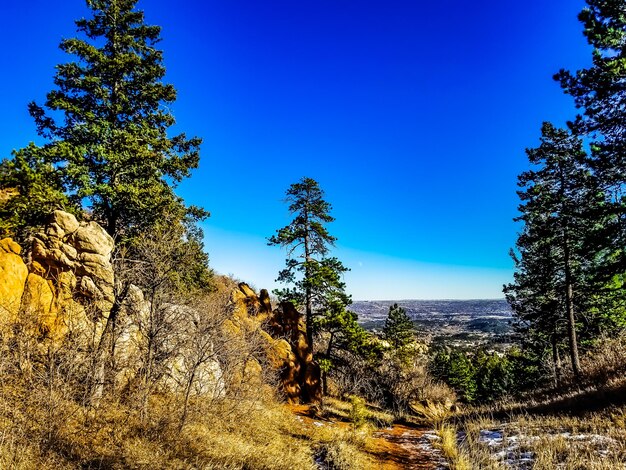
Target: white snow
x,y
510,446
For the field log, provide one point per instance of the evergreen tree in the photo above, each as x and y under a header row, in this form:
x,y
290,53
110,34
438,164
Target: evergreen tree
x,y
346,339
107,120
559,199
600,93
399,330
30,189
316,279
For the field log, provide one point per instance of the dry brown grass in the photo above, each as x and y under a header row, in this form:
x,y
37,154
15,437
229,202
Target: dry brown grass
x,y
47,420
456,457
45,425
554,442
342,448
267,436
376,416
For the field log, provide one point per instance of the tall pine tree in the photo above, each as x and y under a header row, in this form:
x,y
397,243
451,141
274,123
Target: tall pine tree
x,y
599,91
316,278
559,198
107,120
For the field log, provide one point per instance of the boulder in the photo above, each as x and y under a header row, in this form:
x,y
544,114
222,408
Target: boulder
x,y
92,238
39,306
13,274
76,257
65,221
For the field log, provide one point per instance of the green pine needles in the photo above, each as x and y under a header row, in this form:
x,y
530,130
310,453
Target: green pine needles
x,y
107,120
571,253
399,330
316,279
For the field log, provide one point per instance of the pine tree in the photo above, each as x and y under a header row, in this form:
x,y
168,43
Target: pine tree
x,y
559,200
30,189
316,279
346,339
600,93
107,119
399,330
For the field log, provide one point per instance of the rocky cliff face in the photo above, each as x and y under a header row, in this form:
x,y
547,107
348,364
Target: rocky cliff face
x,y
285,341
65,282
67,268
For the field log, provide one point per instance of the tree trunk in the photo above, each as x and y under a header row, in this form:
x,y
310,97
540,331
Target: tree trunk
x,y
183,418
571,324
324,373
105,345
556,359
569,290
308,294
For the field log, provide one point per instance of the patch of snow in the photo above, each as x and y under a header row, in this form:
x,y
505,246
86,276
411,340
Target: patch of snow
x,y
509,449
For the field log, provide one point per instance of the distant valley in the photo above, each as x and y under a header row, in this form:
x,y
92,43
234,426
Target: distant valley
x,y
454,322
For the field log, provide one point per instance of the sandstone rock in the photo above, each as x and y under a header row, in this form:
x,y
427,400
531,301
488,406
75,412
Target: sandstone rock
x,y
69,251
92,238
89,289
73,254
286,345
9,246
248,292
38,303
66,285
54,230
13,274
65,221
264,299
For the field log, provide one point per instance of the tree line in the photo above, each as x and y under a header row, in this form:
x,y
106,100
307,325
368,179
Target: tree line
x,y
570,261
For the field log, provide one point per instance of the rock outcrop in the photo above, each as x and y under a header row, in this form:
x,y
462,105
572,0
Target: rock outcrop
x,y
13,275
67,281
77,258
64,282
286,345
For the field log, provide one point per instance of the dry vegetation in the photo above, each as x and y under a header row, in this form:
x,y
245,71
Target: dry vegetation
x,y
537,442
53,416
580,424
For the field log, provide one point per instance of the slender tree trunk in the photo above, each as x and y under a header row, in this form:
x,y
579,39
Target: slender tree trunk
x,y
308,293
111,227
183,418
571,323
556,359
105,345
569,289
324,373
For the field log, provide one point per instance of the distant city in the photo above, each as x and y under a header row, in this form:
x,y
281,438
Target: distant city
x,y
455,322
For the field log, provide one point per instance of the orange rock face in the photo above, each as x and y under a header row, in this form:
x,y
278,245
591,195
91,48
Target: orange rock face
x,y
69,267
287,347
13,274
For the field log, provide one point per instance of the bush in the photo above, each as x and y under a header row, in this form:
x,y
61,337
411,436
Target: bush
x,y
358,412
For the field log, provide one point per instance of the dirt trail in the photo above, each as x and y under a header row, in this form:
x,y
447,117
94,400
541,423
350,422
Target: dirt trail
x,y
396,447
402,447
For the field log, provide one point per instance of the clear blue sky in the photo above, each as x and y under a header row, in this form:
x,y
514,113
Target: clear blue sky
x,y
413,116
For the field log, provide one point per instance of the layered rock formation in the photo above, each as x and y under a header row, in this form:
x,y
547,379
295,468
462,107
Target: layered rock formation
x,y
67,280
65,283
286,344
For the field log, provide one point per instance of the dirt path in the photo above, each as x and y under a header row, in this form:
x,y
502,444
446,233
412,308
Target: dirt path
x,y
396,447
402,447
